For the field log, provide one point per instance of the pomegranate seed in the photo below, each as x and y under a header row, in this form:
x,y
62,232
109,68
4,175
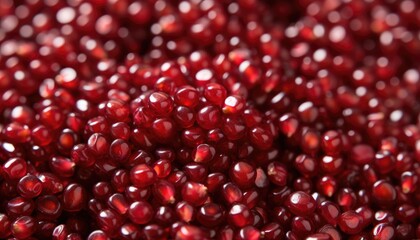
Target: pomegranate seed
x,y
243,175
98,235
277,174
203,153
15,168
215,93
140,212
74,197
29,186
329,212
160,103
194,193
185,211
23,227
210,215
272,231
248,232
301,203
239,215
116,111
49,207
164,192
187,96
4,226
20,206
350,222
118,203
190,232
383,231
98,144
384,193
231,193
142,176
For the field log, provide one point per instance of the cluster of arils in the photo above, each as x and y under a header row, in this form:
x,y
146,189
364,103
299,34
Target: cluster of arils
x,y
205,119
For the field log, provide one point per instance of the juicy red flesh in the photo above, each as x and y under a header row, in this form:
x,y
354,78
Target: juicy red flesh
x,y
209,119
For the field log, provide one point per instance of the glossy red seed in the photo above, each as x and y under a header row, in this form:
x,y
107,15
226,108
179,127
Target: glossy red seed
x,y
366,213
331,143
231,193
346,198
208,117
248,232
49,207
119,150
384,162
319,236
184,116
5,225
51,184
74,197
116,111
118,203
301,203
243,174
140,212
384,193
261,138
163,130
41,135
98,235
203,153
142,176
329,211
109,221
154,232
60,232
233,105
215,93
383,231
409,182
272,231
185,211
120,130
98,144
29,186
62,166
16,133
302,226
162,168
187,96
195,172
277,173
19,206
350,222
23,227
406,213
15,168
210,215
160,103
164,192
130,231
239,215
327,186
52,117
194,193
120,180
190,233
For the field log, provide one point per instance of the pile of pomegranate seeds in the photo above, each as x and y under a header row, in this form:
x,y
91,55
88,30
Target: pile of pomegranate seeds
x,y
208,119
